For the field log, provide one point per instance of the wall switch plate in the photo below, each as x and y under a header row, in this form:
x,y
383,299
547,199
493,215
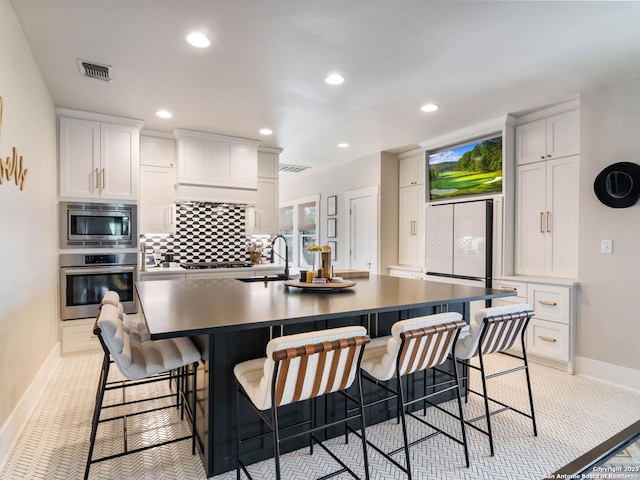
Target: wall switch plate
x,y
606,246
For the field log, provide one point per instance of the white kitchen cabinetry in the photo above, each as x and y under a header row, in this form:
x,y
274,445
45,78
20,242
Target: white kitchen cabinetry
x,y
157,185
412,170
548,138
216,168
411,210
77,336
262,218
550,335
157,207
399,271
547,218
98,159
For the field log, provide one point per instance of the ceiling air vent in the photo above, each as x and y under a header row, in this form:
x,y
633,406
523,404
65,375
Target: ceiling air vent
x,y
95,70
292,168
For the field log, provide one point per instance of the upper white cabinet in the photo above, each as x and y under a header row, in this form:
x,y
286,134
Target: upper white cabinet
x,y
412,170
157,211
98,156
547,195
216,168
411,238
262,218
548,138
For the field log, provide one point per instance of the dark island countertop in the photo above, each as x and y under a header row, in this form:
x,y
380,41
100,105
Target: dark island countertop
x,y
204,306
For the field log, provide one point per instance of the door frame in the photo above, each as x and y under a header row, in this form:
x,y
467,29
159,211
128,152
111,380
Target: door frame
x,y
372,191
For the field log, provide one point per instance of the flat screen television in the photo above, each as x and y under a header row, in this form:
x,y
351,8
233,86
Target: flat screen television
x,y
473,168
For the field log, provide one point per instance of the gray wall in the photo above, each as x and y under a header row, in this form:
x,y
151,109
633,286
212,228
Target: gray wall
x,y
379,169
608,316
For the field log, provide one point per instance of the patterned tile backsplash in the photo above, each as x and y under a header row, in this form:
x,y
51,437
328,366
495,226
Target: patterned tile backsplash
x,y
206,232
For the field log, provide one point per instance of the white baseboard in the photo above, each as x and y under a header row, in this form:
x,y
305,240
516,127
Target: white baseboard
x,y
13,427
608,372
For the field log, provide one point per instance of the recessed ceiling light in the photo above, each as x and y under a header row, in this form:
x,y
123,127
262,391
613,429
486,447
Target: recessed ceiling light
x,y
343,145
199,40
266,131
429,107
164,114
334,79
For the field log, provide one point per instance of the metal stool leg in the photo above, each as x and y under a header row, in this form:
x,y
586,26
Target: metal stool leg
x,y
400,400
96,412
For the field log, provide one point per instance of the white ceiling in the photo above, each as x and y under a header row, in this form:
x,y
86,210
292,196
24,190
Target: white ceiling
x,y
265,68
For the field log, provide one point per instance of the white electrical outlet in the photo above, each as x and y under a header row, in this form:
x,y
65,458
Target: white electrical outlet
x,y
606,246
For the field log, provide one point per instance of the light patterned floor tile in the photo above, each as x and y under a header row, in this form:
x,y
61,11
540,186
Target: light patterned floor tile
x,y
574,415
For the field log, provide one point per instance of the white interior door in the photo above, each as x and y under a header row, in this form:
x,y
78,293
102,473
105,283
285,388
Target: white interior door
x,y
363,229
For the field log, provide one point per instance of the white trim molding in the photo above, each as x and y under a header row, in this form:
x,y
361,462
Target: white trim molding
x,y
15,424
608,372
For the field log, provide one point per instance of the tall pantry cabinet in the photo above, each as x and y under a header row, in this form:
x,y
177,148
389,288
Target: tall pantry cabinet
x,y
411,217
547,191
546,233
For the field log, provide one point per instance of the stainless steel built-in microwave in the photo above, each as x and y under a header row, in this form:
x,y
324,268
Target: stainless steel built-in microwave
x,y
101,225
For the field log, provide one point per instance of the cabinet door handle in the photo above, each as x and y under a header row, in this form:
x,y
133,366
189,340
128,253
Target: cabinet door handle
x,y
549,222
547,302
546,339
507,287
541,222
103,179
97,182
171,215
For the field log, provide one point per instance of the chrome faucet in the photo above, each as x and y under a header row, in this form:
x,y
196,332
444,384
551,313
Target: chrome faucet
x,y
286,254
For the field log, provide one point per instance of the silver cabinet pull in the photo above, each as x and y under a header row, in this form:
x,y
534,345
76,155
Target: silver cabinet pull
x,y
541,222
103,179
547,302
507,287
546,339
97,178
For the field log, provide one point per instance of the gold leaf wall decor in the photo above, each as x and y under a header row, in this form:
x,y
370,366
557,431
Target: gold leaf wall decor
x,y
12,166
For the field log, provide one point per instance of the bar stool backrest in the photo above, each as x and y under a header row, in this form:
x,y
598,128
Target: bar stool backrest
x,y
312,364
427,347
494,330
424,343
135,357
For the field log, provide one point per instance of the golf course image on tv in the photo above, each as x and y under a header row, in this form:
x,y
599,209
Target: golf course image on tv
x,y
471,169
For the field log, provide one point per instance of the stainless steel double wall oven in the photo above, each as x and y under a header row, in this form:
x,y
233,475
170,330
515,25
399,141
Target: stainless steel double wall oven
x,y
98,233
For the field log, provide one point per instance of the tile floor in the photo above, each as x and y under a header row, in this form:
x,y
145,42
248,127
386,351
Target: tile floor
x,y
574,415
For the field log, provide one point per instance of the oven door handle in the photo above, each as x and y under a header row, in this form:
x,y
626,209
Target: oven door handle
x,y
111,269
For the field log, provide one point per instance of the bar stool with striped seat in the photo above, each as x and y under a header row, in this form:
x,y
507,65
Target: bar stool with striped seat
x,y
415,345
301,367
139,362
495,330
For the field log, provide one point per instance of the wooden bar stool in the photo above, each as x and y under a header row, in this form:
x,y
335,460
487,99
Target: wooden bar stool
x,y
139,362
495,330
301,367
415,345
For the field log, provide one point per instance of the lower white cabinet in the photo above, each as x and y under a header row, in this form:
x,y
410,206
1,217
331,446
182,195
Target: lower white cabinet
x,y
406,273
548,339
77,336
550,336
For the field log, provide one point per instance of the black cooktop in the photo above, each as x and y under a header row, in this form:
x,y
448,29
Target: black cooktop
x,y
208,265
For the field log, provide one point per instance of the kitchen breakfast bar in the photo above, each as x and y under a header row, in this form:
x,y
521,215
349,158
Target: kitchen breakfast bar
x,y
232,321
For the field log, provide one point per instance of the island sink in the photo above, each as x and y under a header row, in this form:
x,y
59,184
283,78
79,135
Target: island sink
x,y
266,278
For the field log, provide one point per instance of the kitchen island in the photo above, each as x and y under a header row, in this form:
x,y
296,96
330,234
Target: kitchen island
x,y
232,321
